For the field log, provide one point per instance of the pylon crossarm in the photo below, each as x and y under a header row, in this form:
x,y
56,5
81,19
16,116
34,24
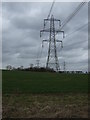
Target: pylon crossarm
x,y
56,20
61,43
46,20
44,41
58,31
46,30
58,40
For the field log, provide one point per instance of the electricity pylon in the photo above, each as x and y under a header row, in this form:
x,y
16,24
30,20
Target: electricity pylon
x,y
52,60
64,66
37,62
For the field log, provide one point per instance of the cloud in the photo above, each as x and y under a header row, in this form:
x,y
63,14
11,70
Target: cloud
x,y
21,43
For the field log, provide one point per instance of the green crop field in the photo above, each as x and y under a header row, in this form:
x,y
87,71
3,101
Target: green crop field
x,y
64,95
43,82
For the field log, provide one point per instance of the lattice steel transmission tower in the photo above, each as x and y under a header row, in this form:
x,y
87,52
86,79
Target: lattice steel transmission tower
x,y
52,59
64,66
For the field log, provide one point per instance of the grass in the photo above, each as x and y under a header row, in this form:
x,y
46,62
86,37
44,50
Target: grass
x,y
43,82
44,95
45,105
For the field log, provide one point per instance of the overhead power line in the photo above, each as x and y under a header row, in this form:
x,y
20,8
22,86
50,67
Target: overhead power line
x,y
72,15
49,12
78,29
65,21
51,9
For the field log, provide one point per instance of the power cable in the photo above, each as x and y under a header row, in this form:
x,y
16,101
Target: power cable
x,y
49,12
73,14
51,9
78,29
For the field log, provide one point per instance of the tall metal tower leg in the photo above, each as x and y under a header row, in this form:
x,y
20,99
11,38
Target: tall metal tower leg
x,y
52,60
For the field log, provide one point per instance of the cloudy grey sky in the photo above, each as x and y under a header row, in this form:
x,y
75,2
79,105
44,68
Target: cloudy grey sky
x,y
21,42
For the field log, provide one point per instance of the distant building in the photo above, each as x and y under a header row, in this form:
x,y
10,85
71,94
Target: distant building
x,y
73,72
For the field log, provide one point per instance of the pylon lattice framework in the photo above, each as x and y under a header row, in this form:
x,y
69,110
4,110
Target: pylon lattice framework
x,y
52,59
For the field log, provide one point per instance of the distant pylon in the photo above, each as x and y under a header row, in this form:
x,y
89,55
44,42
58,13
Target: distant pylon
x,y
37,63
64,66
52,60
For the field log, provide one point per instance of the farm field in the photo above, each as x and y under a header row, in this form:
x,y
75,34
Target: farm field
x,y
43,82
44,95
67,105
